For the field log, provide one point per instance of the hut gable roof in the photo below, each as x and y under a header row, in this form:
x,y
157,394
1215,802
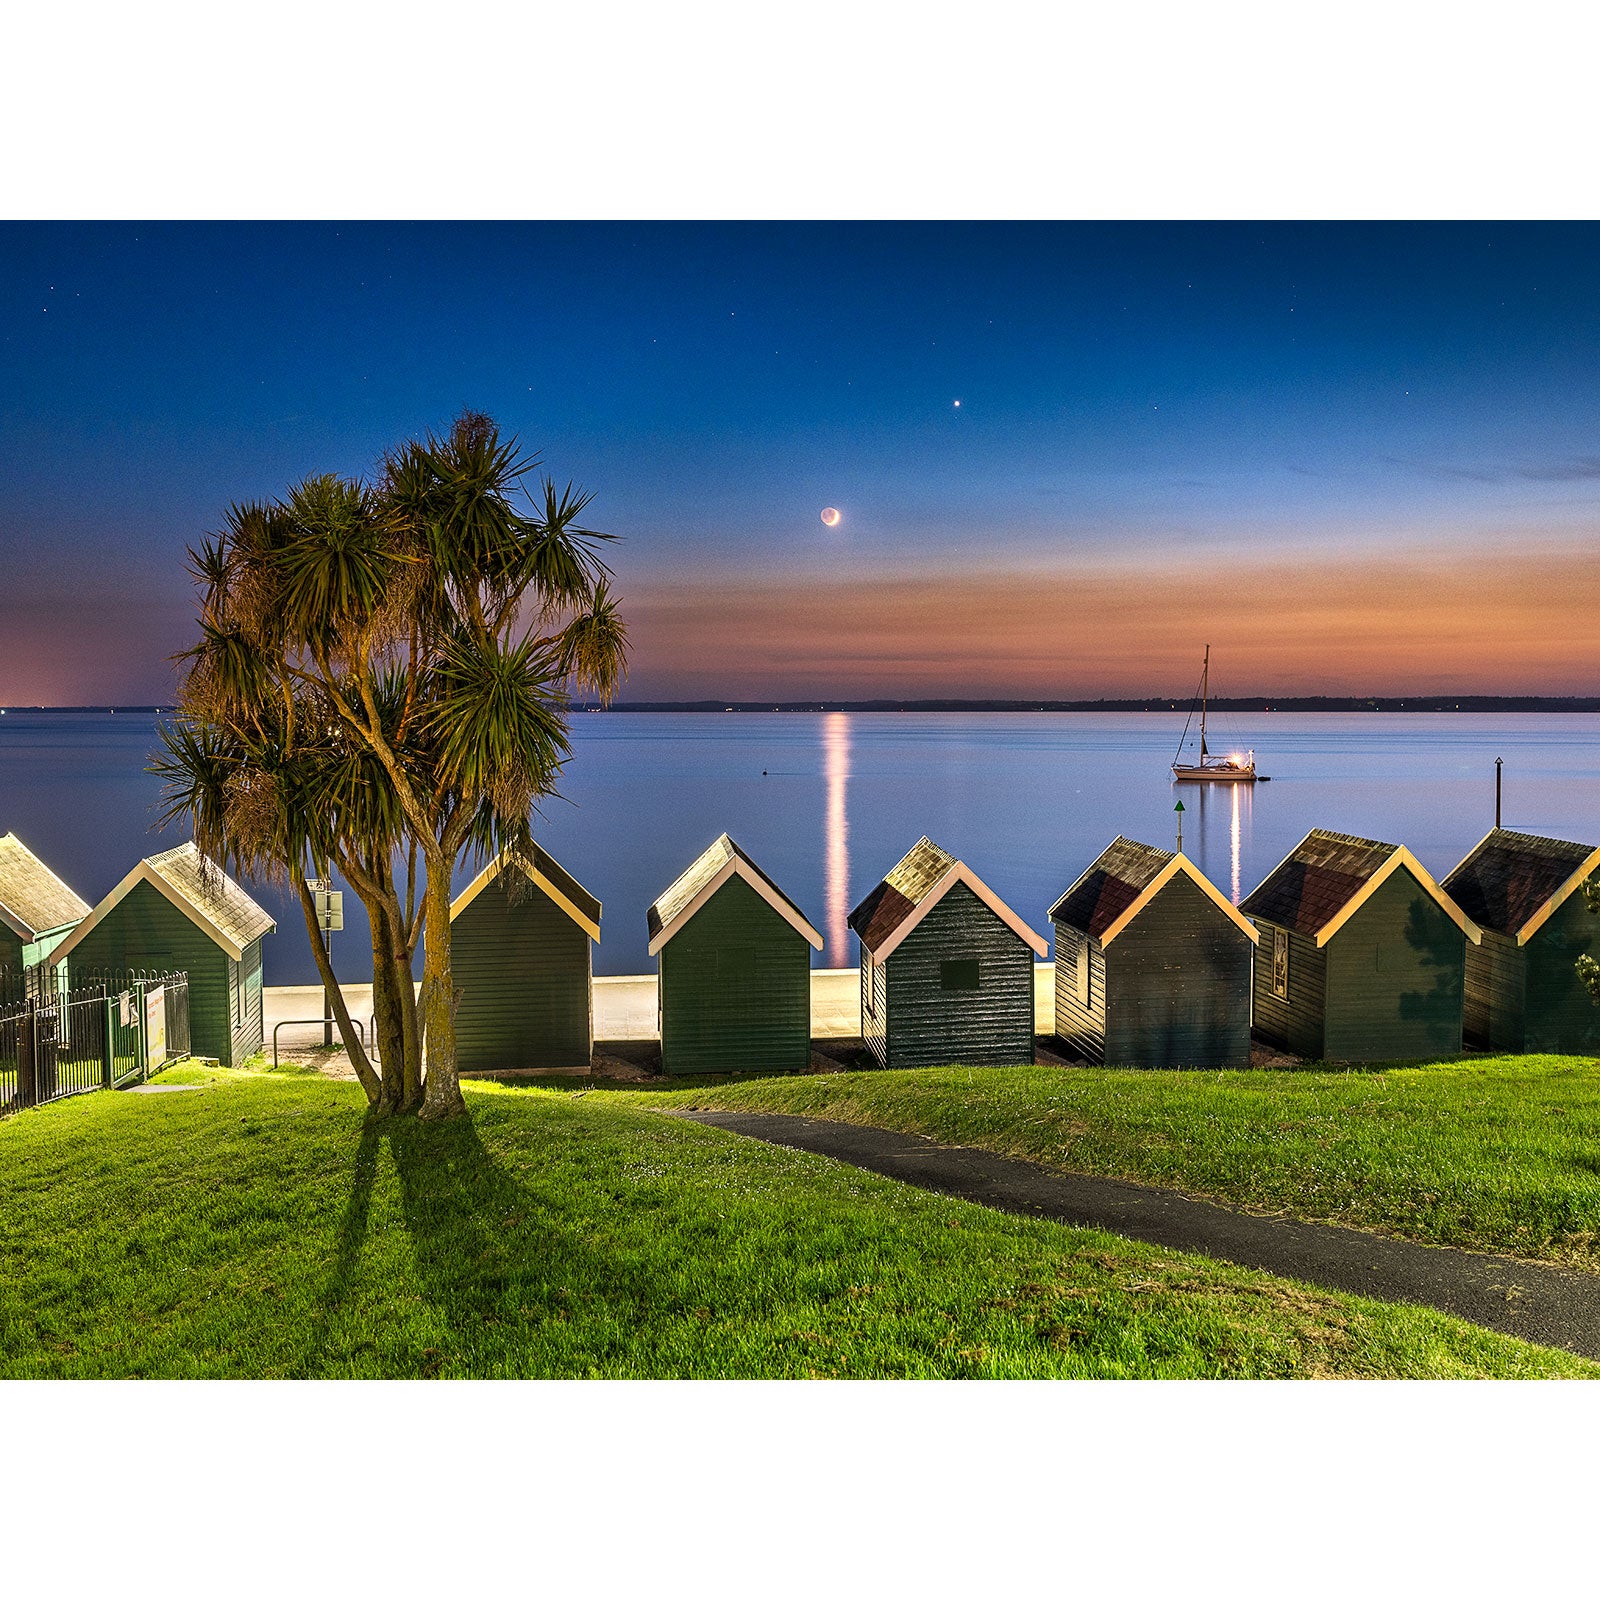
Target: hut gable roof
x,y
1513,882
199,888
542,869
910,891
33,900
1329,876
713,867
1122,880
900,892
1115,879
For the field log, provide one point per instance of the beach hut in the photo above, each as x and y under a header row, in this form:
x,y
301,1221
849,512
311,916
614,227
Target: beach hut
x,y
946,967
522,935
1152,964
735,984
179,912
1362,954
37,910
1523,992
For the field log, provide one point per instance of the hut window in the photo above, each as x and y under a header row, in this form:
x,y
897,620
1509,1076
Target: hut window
x,y
872,985
1080,953
236,991
1280,963
958,974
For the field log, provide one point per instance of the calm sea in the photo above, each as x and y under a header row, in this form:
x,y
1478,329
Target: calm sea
x,y
829,802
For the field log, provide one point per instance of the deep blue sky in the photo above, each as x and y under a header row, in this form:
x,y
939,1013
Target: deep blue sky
x,y
1155,418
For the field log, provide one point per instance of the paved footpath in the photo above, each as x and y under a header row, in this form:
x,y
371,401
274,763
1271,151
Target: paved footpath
x,y
1549,1305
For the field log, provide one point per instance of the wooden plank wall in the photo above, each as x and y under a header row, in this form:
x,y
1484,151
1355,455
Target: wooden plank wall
x,y
1080,1027
1294,1024
736,989
929,1025
146,930
1493,994
523,967
875,1008
1560,1017
248,1032
1177,985
1395,981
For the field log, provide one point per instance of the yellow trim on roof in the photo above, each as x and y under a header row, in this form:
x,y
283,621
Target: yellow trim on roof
x,y
1181,863
146,873
1402,857
737,867
1559,898
961,873
493,871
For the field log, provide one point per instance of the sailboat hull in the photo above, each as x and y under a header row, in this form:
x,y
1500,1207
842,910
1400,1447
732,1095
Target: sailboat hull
x,y
1218,774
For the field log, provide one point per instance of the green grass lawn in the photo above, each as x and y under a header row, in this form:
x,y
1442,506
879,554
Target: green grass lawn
x,y
263,1227
1499,1153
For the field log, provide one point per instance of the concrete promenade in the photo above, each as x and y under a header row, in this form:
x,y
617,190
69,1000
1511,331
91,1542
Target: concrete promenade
x,y
625,1008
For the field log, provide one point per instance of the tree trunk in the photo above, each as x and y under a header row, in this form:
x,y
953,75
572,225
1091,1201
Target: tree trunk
x,y
330,984
441,1094
386,1010
411,1032
401,1054
406,1070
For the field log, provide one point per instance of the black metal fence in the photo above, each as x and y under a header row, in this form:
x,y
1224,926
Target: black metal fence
x,y
108,1029
40,982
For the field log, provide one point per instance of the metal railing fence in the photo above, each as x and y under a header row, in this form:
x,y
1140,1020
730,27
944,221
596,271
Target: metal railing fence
x,y
111,1030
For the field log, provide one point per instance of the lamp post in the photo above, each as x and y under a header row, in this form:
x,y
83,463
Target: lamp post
x,y
1499,762
1179,809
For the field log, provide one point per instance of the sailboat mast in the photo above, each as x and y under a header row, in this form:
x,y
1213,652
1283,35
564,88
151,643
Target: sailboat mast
x,y
1205,689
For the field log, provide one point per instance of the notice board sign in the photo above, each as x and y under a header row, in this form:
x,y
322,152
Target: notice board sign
x,y
155,1027
330,910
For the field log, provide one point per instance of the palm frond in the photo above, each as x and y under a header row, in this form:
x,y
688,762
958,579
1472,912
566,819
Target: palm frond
x,y
497,721
592,650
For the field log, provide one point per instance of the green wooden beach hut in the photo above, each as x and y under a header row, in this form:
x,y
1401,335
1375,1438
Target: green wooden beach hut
x,y
735,981
37,910
1522,990
946,967
522,936
1362,954
179,911
1152,964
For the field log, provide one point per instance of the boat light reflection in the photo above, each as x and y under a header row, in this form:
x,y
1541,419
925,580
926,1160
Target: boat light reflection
x,y
1233,839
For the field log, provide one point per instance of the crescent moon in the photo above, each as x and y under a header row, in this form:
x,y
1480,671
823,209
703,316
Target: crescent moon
x,y
830,517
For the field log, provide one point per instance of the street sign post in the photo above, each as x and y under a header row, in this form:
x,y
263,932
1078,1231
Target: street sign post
x,y
330,919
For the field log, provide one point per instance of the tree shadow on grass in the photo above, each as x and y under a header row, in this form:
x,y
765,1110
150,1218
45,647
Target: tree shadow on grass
x,y
352,1233
508,1267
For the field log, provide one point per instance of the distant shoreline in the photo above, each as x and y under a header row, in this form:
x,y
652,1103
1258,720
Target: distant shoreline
x,y
1303,703
1334,703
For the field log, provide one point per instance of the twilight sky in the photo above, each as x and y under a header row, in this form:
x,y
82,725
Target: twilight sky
x,y
1356,459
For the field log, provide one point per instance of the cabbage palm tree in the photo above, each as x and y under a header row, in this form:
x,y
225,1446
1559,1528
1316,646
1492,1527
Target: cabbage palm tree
x,y
411,644
249,803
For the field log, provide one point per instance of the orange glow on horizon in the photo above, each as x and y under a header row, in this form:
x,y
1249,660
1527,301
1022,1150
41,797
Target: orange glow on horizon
x,y
1416,626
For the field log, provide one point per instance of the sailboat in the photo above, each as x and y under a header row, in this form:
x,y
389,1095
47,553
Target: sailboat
x,y
1211,769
